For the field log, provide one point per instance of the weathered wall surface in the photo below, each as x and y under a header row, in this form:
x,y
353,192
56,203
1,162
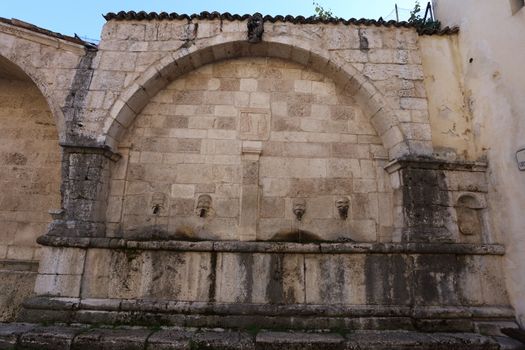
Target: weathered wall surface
x,y
448,102
30,166
224,140
489,61
380,66
36,72
316,145
29,185
49,61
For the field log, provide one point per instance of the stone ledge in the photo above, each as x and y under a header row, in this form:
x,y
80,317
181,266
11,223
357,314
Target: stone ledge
x,y
196,307
274,247
30,266
92,149
32,336
434,164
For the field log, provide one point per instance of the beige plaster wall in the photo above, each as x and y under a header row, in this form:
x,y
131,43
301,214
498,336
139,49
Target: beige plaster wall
x,y
316,144
29,168
491,52
448,102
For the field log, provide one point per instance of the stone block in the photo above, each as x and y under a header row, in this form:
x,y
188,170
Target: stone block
x,y
259,278
48,338
225,147
275,187
58,285
248,85
225,111
259,100
254,125
62,261
3,251
228,190
272,207
364,185
294,167
95,281
308,150
343,168
194,174
363,230
182,191
321,207
414,103
216,98
466,181
241,99
114,339
15,288
20,252
231,340
334,279
227,207
298,340
222,134
348,150
170,339
177,276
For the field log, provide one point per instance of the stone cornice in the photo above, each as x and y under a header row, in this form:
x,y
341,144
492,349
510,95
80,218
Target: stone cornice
x,y
434,164
274,247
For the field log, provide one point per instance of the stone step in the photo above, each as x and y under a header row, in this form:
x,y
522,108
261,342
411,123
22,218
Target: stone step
x,y
38,337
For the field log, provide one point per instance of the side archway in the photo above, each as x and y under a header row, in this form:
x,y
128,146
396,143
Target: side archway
x,y
135,97
38,79
30,167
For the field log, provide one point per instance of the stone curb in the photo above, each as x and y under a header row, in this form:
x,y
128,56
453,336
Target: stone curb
x,y
32,336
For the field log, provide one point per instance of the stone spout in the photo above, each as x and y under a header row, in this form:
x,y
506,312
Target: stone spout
x,y
342,205
299,207
203,205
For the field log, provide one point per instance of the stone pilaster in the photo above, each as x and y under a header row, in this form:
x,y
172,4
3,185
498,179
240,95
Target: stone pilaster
x,y
251,151
425,196
85,180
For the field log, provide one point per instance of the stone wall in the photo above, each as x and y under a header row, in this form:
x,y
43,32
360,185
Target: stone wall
x,y
490,74
29,184
30,165
315,144
205,172
35,73
380,66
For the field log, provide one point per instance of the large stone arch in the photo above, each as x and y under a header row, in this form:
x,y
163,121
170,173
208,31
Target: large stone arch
x,y
37,77
30,159
133,99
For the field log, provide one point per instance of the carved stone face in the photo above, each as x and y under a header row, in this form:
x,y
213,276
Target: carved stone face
x,y
299,207
342,204
203,205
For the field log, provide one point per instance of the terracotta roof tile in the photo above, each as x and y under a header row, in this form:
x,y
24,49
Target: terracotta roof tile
x,y
142,15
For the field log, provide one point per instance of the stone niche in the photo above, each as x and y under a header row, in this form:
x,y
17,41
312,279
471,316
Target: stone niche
x,y
251,138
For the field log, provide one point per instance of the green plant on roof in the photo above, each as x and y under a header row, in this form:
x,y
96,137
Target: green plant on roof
x,y
420,22
322,13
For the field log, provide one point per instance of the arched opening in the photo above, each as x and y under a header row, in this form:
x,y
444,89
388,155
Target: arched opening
x,y
345,75
29,182
316,144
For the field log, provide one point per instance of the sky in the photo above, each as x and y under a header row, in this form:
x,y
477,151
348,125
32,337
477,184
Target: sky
x,y
84,17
